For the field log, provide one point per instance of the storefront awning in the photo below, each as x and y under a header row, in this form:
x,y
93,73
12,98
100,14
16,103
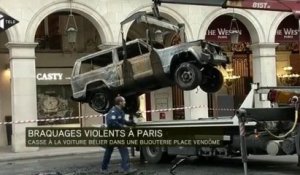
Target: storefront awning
x,y
275,5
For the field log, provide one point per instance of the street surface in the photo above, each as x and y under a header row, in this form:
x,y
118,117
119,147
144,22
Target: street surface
x,y
89,164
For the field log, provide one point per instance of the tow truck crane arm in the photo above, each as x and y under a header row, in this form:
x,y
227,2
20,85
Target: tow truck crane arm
x,y
272,5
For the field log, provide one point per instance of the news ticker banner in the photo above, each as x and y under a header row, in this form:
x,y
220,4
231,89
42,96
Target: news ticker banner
x,y
68,137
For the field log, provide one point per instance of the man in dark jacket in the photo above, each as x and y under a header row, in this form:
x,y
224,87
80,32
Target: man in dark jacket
x,y
115,119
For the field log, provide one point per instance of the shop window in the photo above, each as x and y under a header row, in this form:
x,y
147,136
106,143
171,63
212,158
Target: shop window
x,y
177,93
54,96
48,35
295,62
242,66
178,102
287,35
3,41
288,49
51,35
148,106
53,101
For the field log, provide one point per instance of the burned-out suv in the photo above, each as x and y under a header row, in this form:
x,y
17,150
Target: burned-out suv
x,y
97,78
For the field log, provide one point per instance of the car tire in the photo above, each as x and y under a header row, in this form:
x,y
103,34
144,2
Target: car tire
x,y
212,80
155,154
132,104
100,101
187,76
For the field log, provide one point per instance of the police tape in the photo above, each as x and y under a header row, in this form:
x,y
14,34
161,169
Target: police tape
x,y
50,119
188,107
101,115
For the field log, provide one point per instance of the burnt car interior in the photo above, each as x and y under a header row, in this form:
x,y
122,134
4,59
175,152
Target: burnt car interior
x,y
133,50
96,62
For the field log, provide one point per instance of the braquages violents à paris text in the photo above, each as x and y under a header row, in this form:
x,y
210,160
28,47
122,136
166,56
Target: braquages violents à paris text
x,y
103,133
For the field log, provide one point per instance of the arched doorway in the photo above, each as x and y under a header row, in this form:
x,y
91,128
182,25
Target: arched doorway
x,y
5,91
138,30
288,55
54,63
234,91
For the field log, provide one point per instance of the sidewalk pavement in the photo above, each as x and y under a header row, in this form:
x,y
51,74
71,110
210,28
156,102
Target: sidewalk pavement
x,y
44,152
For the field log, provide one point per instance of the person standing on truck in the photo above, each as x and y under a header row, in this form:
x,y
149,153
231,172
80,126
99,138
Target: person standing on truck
x,y
116,120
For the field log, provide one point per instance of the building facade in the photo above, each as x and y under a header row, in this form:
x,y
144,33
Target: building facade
x,y
36,59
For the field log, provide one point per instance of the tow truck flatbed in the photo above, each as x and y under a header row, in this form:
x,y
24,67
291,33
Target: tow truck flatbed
x,y
201,122
251,124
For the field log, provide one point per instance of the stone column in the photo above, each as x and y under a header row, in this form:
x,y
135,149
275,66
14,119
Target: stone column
x,y
23,92
264,68
195,97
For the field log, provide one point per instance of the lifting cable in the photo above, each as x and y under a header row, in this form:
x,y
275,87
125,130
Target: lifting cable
x,y
295,100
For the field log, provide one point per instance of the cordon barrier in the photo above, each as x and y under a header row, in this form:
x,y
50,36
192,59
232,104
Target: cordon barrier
x,y
101,115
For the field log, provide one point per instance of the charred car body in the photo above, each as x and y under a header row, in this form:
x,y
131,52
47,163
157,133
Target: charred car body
x,y
137,67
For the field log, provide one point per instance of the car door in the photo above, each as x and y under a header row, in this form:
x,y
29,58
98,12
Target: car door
x,y
75,78
137,67
141,67
104,69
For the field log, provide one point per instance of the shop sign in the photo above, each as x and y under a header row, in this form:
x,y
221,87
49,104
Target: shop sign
x,y
287,34
219,32
53,76
264,4
6,21
287,30
49,76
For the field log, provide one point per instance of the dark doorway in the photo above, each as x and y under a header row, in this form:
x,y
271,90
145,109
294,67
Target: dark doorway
x,y
242,66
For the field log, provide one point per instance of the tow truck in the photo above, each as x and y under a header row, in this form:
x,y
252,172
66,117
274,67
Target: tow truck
x,y
274,130
258,131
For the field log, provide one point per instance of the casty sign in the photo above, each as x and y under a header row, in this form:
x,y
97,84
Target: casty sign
x,y
6,21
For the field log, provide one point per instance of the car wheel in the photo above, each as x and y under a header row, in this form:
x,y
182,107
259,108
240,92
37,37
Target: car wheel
x,y
212,80
187,76
100,101
155,154
132,104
